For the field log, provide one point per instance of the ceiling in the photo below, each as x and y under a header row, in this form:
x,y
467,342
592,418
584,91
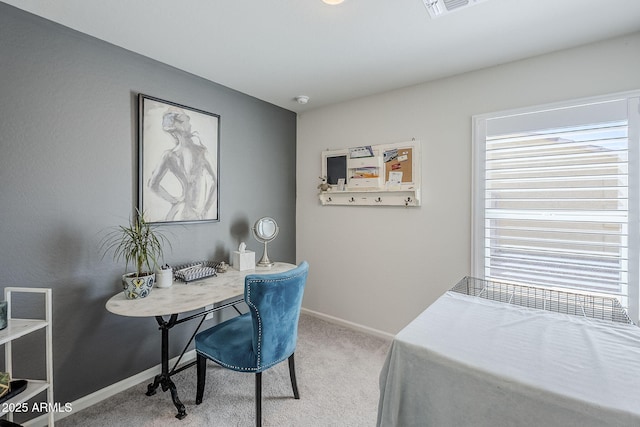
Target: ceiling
x,y
276,50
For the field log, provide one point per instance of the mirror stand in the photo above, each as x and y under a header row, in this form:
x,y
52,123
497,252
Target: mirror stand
x,y
265,230
265,261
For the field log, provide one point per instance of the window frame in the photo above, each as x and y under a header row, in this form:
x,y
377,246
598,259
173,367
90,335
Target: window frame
x,y
479,133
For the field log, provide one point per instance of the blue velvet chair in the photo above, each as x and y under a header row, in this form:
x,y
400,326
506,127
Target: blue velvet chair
x,y
261,338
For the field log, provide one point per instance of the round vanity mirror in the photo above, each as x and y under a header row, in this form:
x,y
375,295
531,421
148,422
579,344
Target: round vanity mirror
x,y
265,230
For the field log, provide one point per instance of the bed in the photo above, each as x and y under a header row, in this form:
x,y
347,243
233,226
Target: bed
x,y
473,360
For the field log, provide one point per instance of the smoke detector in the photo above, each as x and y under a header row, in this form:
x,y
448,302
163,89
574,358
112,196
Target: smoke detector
x,y
438,8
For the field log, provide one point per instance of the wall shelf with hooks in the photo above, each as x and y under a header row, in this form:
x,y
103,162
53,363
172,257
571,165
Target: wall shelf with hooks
x,y
376,175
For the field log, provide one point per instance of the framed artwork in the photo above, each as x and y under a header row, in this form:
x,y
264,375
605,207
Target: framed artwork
x,y
178,156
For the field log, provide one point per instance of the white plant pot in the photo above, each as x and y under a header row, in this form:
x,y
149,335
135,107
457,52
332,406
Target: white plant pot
x,y
137,287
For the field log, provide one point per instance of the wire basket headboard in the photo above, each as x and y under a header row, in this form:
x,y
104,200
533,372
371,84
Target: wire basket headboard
x,y
577,304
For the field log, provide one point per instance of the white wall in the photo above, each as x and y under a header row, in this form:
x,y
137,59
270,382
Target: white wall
x,y
379,267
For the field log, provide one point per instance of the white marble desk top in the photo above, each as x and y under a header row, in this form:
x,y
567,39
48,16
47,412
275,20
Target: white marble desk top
x,y
182,297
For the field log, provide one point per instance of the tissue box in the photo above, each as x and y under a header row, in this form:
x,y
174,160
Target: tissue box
x,y
243,260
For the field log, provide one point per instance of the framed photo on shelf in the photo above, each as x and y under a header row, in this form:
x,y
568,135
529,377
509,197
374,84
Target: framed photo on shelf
x,y
178,162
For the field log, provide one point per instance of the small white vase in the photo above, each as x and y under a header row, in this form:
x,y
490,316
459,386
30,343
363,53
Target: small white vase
x,y
164,278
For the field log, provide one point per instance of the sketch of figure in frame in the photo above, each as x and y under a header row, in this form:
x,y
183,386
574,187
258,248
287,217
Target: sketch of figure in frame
x,y
179,156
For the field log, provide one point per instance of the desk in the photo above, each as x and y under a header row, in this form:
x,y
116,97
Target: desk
x,y
466,361
227,288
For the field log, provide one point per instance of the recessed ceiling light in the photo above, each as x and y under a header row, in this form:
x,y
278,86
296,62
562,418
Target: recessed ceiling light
x,y
333,2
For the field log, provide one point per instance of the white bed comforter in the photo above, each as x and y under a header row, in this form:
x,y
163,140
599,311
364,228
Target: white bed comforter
x,y
466,361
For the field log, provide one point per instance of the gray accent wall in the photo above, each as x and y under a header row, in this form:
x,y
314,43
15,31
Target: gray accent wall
x,y
68,172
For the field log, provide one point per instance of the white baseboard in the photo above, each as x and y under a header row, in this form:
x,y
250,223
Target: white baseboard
x,y
346,323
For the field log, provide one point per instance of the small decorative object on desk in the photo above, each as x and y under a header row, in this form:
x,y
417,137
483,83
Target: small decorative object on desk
x,y
222,267
164,276
195,271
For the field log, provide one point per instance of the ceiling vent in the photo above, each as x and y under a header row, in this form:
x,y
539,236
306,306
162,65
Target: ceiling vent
x,y
438,8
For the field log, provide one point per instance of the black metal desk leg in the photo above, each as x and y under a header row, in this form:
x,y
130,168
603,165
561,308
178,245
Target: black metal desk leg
x,y
164,378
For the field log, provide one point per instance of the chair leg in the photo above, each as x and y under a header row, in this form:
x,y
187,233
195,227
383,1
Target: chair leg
x,y
259,399
292,374
201,372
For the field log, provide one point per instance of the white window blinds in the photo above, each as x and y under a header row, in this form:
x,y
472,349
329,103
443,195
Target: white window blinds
x,y
556,198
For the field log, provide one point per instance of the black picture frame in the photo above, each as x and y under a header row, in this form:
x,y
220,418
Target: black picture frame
x,y
178,162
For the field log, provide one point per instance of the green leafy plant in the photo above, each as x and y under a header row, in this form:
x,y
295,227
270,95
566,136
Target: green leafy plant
x,y
139,244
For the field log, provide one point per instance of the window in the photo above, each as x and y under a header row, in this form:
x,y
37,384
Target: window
x,y
557,197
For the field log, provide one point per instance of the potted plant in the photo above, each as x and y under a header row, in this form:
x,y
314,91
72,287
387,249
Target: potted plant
x,y
140,244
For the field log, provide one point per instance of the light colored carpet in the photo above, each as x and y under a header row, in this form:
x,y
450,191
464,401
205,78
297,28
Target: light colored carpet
x,y
337,370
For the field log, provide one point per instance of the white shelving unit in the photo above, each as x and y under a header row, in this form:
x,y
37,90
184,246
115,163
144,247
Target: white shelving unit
x,y
17,328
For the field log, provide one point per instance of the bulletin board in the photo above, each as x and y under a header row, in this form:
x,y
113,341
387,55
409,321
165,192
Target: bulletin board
x,y
400,160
